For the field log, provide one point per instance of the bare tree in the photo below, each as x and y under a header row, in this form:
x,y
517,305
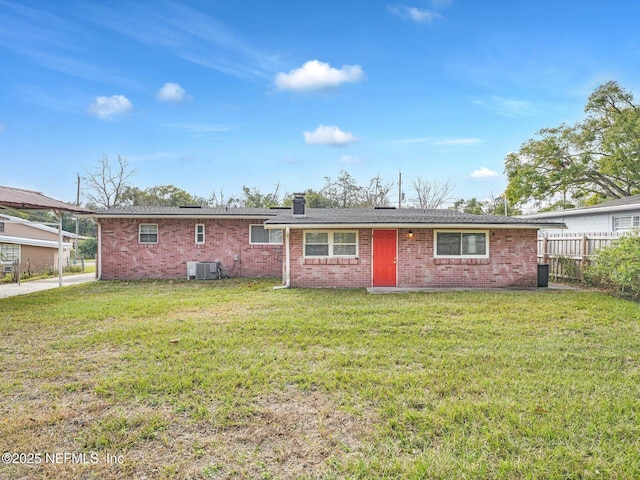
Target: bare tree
x,y
376,193
430,194
107,183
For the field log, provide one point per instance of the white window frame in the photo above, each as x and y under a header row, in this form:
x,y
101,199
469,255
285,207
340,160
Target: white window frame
x,y
13,246
273,235
140,233
435,243
633,221
200,242
330,240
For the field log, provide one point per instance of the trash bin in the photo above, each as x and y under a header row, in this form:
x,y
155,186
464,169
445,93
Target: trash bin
x,y
543,275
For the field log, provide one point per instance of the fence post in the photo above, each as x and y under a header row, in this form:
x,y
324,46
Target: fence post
x,y
584,258
545,250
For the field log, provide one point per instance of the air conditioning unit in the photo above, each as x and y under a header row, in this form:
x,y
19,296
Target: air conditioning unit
x,y
207,270
7,269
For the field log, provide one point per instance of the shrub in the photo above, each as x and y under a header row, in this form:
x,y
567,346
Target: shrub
x,y
617,268
88,247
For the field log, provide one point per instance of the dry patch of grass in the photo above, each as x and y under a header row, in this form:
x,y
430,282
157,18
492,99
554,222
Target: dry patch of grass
x,y
235,380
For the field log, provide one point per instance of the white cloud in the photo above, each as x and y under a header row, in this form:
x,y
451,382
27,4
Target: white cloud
x,y
107,108
458,141
484,173
349,160
316,75
172,92
329,135
417,15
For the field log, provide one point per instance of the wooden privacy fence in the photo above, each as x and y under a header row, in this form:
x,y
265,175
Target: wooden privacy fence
x,y
568,254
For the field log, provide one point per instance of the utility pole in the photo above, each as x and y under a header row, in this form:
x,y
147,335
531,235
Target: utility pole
x,y
77,226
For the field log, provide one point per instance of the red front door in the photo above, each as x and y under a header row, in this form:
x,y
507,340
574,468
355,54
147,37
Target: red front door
x,y
384,258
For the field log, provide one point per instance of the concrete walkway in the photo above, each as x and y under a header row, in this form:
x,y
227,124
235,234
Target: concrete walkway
x,y
552,286
12,289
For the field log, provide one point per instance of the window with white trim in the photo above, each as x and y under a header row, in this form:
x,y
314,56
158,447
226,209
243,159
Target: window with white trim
x,y
199,233
626,222
472,244
330,243
148,233
258,235
9,252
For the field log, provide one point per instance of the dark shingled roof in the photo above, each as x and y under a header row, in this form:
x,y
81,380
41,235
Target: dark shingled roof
x,y
279,217
401,216
30,200
186,211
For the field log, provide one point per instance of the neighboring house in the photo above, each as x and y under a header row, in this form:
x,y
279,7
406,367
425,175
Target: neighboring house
x,y
33,245
321,247
619,216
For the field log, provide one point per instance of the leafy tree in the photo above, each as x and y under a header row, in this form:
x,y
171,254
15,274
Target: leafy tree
x,y
256,199
344,192
599,156
313,199
493,206
473,206
159,195
430,194
107,183
559,205
88,247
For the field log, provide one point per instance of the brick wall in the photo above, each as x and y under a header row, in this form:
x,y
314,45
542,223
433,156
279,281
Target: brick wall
x,y
331,272
124,258
512,262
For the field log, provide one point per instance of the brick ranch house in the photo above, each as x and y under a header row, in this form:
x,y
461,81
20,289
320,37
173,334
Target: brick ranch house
x,y
321,247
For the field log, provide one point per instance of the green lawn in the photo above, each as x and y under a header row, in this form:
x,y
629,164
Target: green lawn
x,y
232,379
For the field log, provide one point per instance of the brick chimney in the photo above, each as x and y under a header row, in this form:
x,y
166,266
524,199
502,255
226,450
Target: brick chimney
x,y
298,205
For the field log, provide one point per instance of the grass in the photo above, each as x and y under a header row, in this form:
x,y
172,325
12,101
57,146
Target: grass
x,y
233,379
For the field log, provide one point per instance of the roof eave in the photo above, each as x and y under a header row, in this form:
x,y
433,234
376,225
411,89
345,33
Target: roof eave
x,y
300,226
174,216
582,211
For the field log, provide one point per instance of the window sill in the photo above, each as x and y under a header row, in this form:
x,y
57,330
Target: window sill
x,y
331,261
461,261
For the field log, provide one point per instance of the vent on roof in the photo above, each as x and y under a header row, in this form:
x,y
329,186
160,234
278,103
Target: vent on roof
x,y
190,206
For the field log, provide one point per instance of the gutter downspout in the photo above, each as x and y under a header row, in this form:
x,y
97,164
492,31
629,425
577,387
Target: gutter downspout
x,y
287,261
99,254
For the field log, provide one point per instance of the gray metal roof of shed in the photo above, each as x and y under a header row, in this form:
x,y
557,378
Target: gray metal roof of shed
x,y
21,199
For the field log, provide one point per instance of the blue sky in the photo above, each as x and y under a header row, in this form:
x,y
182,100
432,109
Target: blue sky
x,y
214,95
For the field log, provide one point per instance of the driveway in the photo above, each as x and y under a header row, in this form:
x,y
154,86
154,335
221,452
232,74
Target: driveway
x,y
12,289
